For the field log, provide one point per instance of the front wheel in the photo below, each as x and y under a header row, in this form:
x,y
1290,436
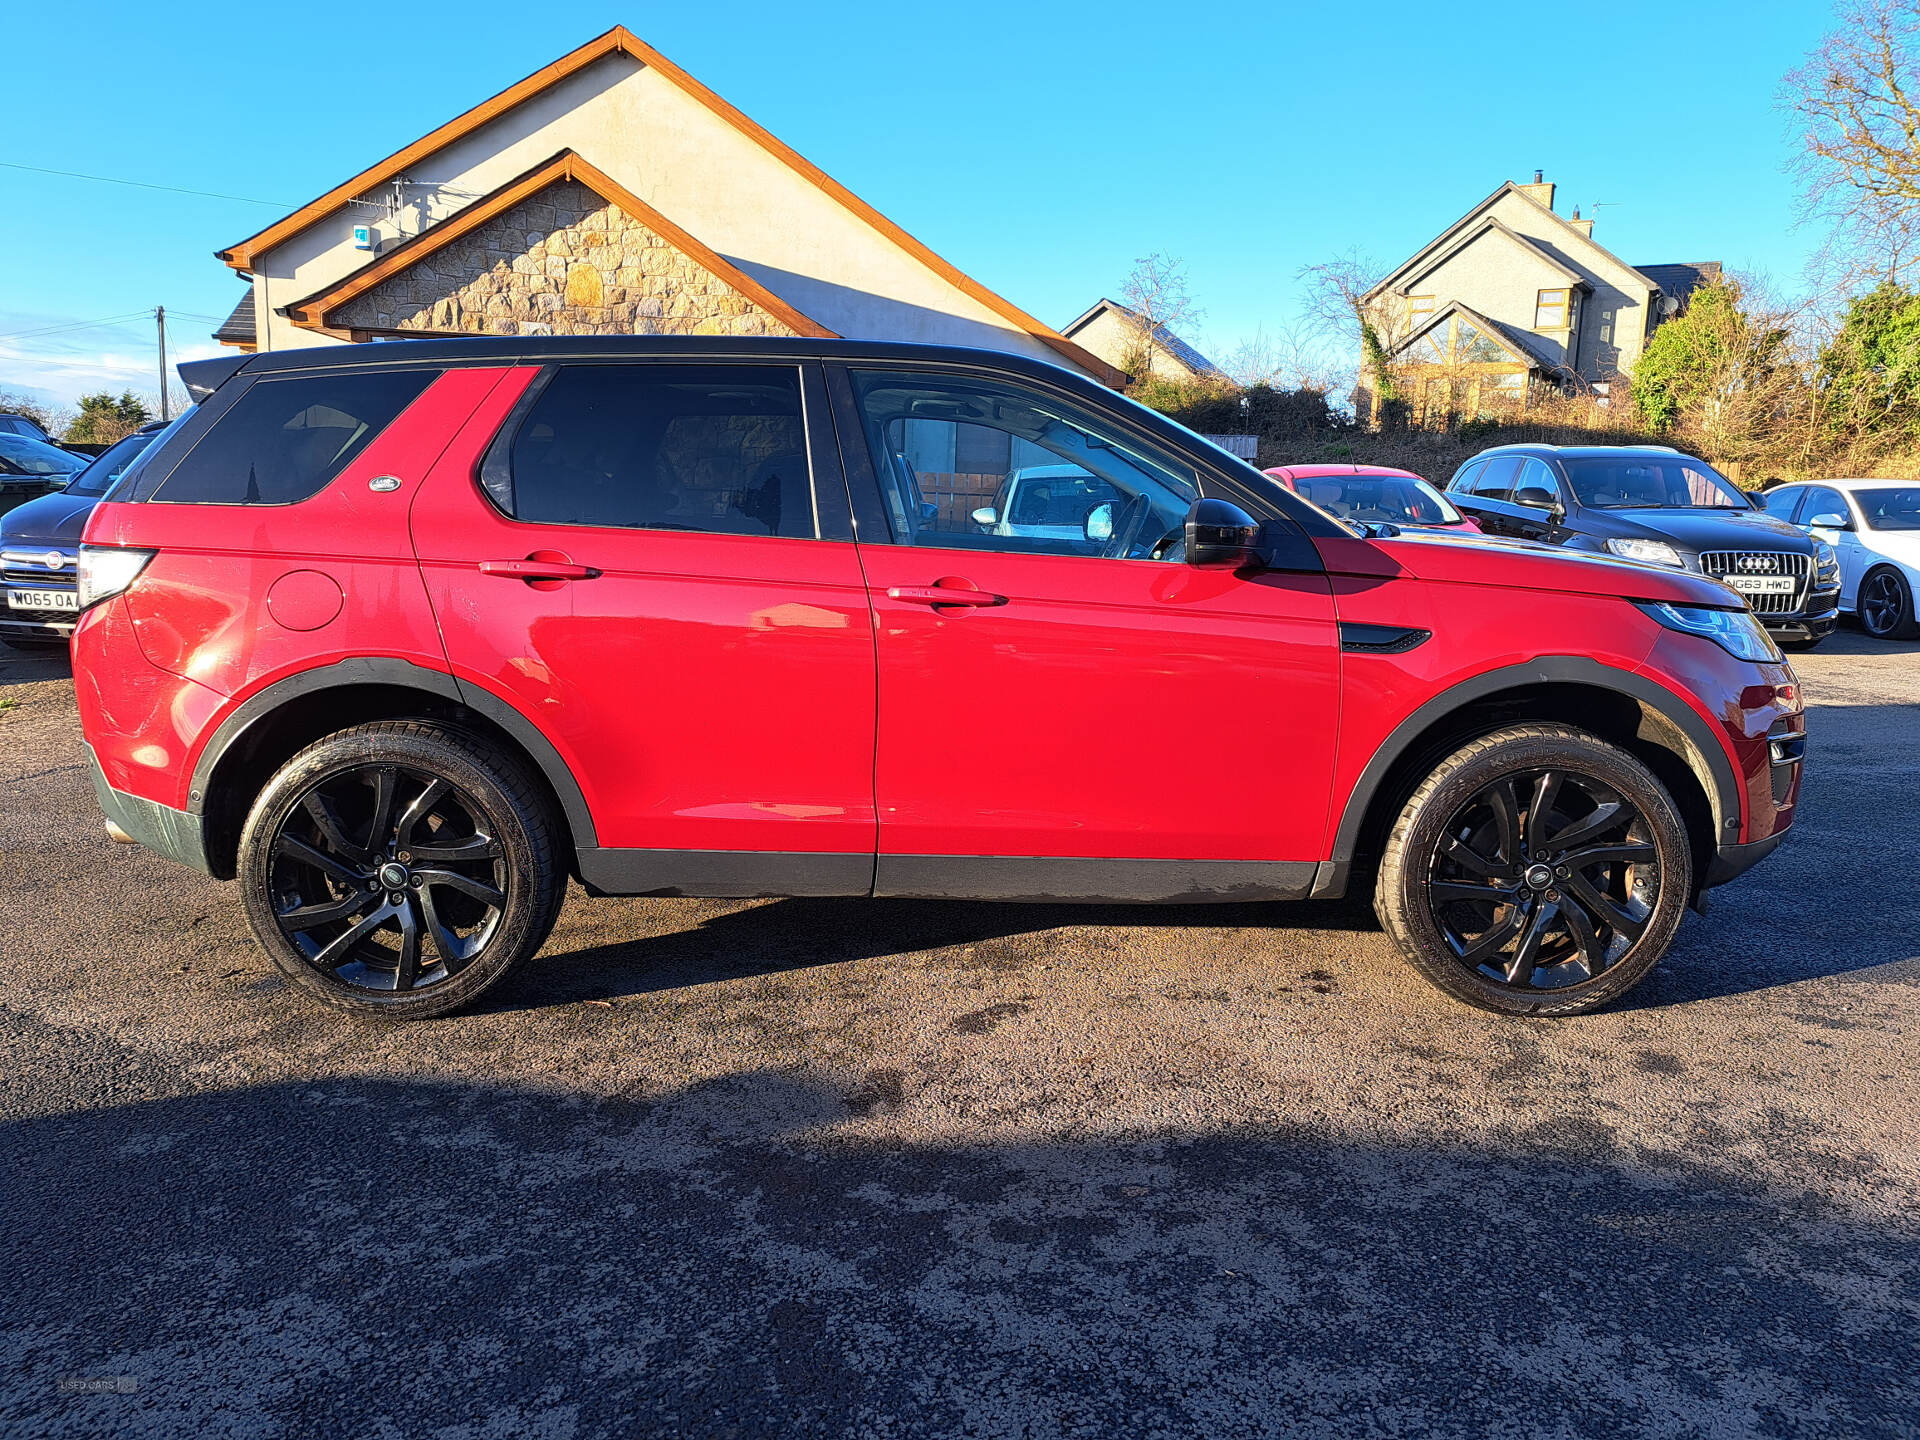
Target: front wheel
x,y
400,868
1886,605
1538,871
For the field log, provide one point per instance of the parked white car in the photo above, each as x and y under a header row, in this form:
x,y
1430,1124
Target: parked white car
x,y
1874,528
1045,502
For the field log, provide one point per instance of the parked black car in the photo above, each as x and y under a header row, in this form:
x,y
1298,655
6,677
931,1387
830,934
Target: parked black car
x,y
12,422
1660,507
39,542
29,468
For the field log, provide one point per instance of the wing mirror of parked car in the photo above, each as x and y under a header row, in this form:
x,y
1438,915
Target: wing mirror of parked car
x,y
1099,523
1829,521
1221,536
986,516
1536,498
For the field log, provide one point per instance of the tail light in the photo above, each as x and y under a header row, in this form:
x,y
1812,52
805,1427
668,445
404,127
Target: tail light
x,y
105,570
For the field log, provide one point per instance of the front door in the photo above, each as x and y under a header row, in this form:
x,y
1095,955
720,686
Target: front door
x,y
637,567
1065,708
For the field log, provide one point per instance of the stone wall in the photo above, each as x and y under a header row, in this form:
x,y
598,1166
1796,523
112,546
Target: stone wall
x,y
562,262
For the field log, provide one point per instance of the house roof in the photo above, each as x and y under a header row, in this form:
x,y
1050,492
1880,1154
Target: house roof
x,y
1162,336
620,40
315,309
238,328
1575,238
1680,280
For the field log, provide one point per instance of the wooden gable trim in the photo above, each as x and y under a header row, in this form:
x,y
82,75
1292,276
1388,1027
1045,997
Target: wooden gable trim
x,y
241,256
316,310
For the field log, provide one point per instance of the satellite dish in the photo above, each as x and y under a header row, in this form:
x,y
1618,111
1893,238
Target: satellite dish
x,y
1669,305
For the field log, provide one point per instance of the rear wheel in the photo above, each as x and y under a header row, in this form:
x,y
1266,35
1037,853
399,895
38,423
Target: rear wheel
x,y
1886,605
400,869
1538,871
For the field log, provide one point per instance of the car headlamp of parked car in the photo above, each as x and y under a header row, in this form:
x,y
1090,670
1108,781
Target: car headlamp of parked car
x,y
1648,552
1734,631
106,570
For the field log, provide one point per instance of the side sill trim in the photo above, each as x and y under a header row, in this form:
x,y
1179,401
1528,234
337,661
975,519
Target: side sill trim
x,y
725,874
1046,879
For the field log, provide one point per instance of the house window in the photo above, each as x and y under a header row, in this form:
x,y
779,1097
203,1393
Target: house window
x,y
1550,309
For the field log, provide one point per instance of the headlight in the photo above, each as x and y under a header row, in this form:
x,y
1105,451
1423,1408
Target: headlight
x,y
1824,557
105,570
1648,552
1734,631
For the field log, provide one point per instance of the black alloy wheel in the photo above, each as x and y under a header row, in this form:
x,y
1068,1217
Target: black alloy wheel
x,y
1537,870
1886,605
1545,879
388,878
401,868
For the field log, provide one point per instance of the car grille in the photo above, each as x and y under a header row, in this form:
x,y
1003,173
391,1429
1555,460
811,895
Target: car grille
x,y
27,567
1724,564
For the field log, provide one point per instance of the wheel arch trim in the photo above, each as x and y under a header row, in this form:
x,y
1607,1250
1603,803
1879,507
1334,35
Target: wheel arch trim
x,y
1710,760
393,672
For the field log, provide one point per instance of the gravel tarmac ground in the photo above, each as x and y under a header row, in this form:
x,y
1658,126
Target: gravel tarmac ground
x,y
810,1167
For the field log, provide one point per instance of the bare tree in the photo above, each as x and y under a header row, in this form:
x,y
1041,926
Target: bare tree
x,y
1858,99
1156,292
1344,300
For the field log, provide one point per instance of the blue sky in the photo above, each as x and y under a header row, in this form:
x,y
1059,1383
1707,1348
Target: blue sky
x,y
1040,146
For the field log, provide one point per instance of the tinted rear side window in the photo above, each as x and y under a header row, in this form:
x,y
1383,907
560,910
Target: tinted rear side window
x,y
285,440
715,448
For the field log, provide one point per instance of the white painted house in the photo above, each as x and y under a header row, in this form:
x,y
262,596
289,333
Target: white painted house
x,y
610,193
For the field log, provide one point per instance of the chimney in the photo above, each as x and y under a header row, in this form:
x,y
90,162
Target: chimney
x,y
1585,227
1541,189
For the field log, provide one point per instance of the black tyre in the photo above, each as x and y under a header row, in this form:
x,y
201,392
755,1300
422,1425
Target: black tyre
x,y
1537,871
400,868
1885,605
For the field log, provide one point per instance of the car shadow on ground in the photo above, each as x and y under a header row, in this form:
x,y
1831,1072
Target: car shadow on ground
x,y
786,935
29,667
767,1254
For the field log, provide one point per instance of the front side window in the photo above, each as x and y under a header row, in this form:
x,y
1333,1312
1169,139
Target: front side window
x,y
1890,508
284,441
972,464
1652,482
1536,475
1821,501
1780,502
717,449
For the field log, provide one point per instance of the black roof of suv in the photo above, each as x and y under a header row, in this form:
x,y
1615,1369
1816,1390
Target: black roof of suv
x,y
1660,506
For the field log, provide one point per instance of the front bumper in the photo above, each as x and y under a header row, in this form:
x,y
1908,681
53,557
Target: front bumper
x,y
175,834
1732,861
24,569
1816,622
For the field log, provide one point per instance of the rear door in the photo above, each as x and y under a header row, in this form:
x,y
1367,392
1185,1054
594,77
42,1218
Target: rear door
x,y
1087,716
638,564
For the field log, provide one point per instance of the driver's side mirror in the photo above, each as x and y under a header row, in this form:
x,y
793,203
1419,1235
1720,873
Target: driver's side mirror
x,y
1535,497
986,516
1099,523
1829,521
1221,536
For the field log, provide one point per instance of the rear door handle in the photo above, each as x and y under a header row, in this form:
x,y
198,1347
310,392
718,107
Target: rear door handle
x,y
944,595
537,569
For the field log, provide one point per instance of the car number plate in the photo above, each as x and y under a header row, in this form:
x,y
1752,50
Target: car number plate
x,y
1763,584
42,600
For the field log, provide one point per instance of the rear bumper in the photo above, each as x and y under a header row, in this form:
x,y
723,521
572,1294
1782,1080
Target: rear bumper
x,y
175,834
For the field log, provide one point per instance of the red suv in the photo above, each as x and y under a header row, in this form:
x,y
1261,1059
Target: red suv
x,y
402,636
